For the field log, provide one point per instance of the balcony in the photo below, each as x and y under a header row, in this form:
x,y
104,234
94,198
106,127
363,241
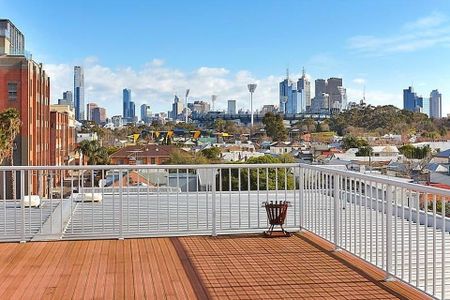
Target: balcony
x,y
356,234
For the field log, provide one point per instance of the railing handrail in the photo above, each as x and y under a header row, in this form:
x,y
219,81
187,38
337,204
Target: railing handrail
x,y
147,167
333,171
377,179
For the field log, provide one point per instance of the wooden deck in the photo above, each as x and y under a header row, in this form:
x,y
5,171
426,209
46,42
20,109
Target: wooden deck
x,y
248,267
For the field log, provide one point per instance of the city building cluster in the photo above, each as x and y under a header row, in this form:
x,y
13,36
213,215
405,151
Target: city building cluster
x,y
431,106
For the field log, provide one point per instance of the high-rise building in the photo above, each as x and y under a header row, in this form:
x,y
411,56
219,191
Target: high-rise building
x,y
320,87
99,115
231,109
411,101
12,41
89,108
177,108
336,93
304,92
129,110
67,99
146,113
78,88
289,103
435,104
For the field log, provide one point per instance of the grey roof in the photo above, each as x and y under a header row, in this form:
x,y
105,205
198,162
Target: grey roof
x,y
444,154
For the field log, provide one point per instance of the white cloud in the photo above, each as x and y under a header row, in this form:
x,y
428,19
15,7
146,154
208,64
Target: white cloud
x,y
430,31
433,20
155,84
359,81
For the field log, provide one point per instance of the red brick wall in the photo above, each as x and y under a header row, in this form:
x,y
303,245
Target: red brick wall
x,y
33,104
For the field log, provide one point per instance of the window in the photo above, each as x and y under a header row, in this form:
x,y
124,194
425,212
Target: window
x,y
152,160
12,90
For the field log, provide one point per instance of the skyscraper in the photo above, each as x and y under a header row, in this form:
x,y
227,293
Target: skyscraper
x,y
146,113
288,97
126,99
67,99
129,110
78,88
435,104
304,92
177,108
320,87
335,92
231,109
98,115
89,109
411,101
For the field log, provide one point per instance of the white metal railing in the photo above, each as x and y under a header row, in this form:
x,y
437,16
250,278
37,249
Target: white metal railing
x,y
399,227
82,202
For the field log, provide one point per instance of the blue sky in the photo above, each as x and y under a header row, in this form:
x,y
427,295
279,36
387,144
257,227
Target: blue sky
x,y
159,48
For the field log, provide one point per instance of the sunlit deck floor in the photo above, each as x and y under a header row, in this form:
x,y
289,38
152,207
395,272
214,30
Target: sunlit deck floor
x,y
238,267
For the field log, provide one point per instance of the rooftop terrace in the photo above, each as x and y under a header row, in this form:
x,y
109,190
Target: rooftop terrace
x,y
195,231
238,267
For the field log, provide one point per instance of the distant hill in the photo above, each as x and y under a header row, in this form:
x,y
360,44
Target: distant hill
x,y
380,120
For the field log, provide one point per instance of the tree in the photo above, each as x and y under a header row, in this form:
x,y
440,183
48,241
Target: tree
x,y
180,157
9,128
350,141
96,154
212,153
274,126
219,125
364,151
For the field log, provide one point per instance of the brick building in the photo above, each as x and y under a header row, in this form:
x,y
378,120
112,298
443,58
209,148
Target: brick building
x,y
62,135
142,155
25,86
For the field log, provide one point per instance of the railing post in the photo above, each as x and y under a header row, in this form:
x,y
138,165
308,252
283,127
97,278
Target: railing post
x,y
22,205
213,199
337,211
389,199
121,204
301,196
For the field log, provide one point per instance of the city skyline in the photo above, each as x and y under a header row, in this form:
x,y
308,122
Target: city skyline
x,y
375,56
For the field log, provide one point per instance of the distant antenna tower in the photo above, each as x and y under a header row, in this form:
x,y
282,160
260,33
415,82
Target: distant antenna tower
x,y
287,74
303,72
213,100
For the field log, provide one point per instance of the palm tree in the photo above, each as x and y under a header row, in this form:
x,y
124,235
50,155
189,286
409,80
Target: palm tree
x,y
9,128
97,155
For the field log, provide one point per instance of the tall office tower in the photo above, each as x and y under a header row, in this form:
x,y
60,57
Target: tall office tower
x,y
99,115
146,113
126,99
304,91
411,101
288,97
129,110
231,109
67,99
177,108
334,86
320,87
12,41
435,104
78,88
89,108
